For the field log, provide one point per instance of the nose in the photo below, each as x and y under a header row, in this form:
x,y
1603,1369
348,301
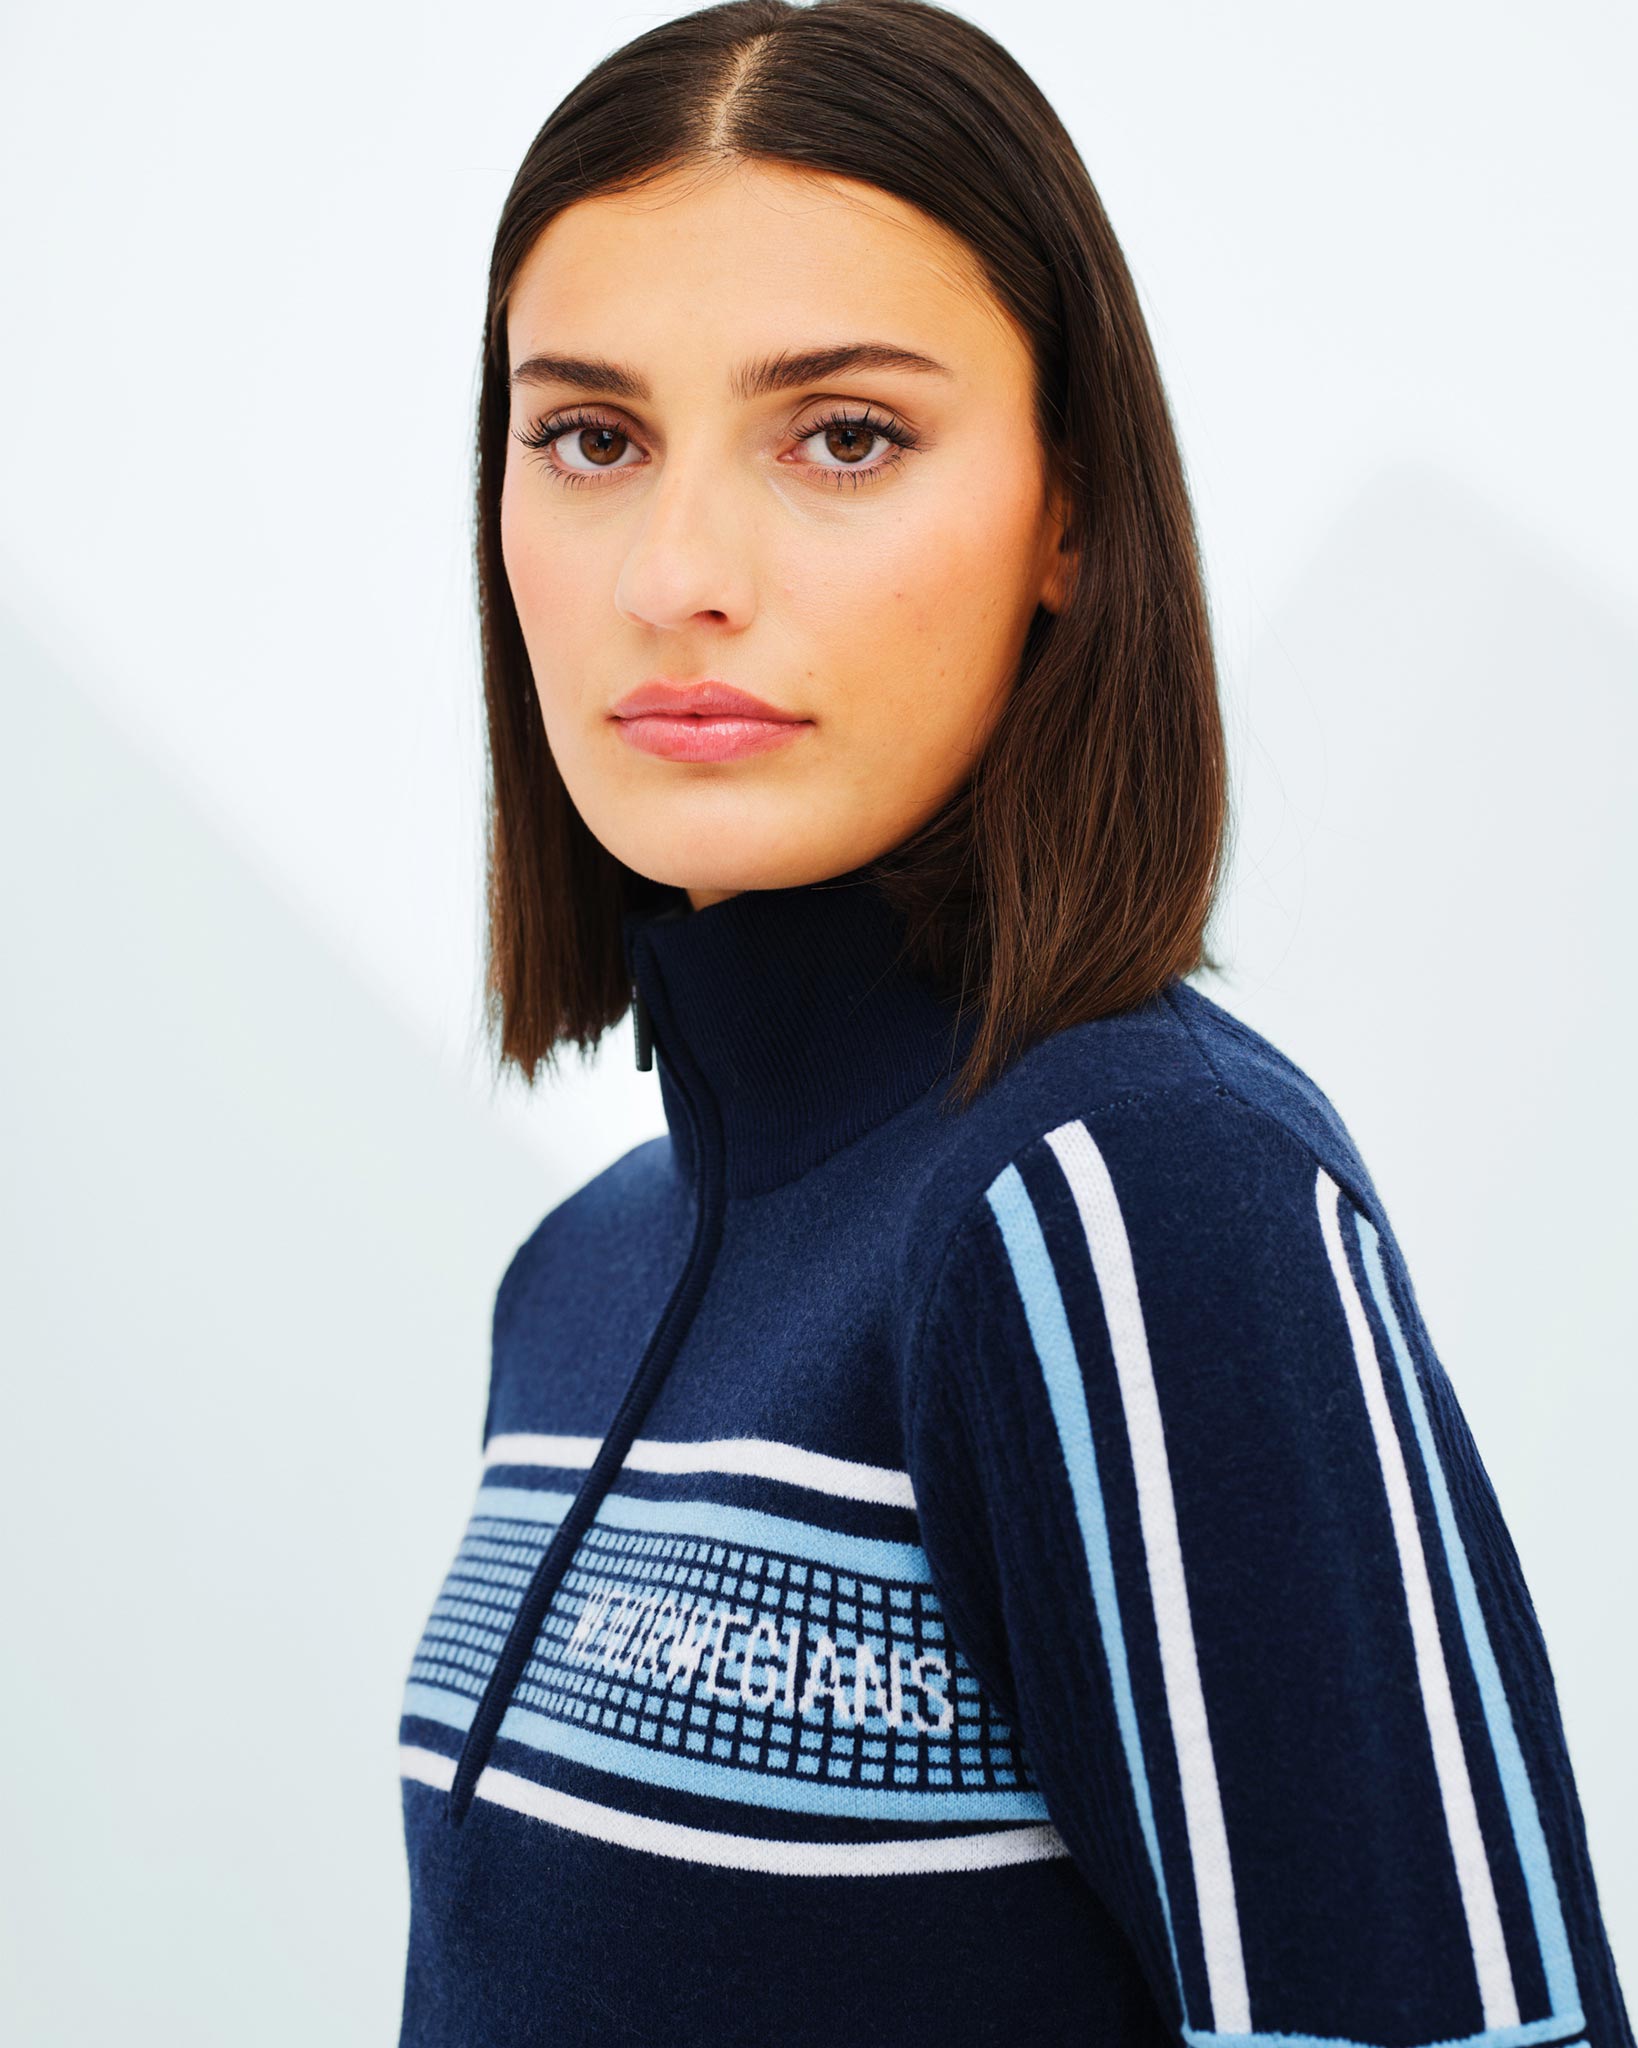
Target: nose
x,y
690,554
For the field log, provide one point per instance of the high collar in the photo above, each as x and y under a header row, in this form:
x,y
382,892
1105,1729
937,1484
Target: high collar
x,y
785,1024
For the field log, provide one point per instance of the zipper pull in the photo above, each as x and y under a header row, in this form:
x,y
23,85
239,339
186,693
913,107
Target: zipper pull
x,y
643,1030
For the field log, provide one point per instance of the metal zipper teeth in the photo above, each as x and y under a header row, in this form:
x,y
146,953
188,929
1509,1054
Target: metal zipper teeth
x,y
662,1347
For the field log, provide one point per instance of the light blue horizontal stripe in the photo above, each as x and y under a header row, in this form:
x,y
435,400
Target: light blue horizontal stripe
x,y
432,1703
1528,1839
749,1528
1521,2036
521,1504
758,1788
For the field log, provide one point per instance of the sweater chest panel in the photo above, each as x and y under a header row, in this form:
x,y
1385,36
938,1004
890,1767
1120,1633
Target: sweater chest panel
x,y
745,1666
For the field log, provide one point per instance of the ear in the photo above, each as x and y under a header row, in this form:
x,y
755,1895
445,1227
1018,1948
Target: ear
x,y
1061,556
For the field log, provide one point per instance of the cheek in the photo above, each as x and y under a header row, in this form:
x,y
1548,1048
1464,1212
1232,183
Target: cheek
x,y
532,568
543,576
924,635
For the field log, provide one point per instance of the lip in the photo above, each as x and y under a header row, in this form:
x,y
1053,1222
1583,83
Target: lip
x,y
705,721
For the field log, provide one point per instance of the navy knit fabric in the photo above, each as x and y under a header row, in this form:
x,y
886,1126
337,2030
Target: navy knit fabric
x,y
1015,1575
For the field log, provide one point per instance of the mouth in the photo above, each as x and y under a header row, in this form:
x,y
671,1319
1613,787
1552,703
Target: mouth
x,y
693,736
703,721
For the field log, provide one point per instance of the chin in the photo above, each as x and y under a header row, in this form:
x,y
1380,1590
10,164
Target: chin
x,y
714,870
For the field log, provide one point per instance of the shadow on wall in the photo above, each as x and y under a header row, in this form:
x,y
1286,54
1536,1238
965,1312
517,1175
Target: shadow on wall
x,y
253,1235
1443,855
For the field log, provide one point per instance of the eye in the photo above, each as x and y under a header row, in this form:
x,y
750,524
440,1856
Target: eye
x,y
602,442
847,436
592,443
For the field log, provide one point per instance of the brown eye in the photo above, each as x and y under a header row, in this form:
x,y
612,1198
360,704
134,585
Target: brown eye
x,y
841,446
579,446
850,442
601,445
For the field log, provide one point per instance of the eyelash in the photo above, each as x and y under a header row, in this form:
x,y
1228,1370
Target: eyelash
x,y
543,433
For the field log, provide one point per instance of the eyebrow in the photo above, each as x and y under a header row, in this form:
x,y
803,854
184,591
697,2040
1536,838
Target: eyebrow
x,y
754,379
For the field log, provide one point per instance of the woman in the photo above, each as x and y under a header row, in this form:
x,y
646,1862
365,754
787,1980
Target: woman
x,y
975,1540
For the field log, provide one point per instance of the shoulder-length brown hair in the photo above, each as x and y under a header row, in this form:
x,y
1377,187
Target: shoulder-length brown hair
x,y
1076,871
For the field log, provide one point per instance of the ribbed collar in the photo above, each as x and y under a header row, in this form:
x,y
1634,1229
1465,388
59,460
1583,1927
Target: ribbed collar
x,y
789,1017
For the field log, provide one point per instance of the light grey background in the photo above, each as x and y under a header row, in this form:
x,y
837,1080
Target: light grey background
x,y
258,1186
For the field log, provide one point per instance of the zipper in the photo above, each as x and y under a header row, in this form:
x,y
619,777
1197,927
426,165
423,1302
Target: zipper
x,y
664,1342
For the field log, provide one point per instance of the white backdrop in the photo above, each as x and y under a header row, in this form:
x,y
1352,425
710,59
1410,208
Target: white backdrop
x,y
259,1187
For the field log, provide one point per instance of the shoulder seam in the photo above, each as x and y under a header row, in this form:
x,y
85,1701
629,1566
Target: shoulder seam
x,y
918,1330
1268,1116
1170,998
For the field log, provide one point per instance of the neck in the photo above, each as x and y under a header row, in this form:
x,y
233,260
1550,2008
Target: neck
x,y
786,1023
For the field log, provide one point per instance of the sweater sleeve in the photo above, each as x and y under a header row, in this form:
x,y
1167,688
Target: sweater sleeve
x,y
1205,1514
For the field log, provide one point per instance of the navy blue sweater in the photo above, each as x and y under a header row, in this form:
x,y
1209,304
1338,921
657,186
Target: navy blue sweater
x,y
1019,1575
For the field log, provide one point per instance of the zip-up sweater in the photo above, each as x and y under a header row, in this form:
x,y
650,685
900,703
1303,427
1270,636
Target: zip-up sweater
x,y
1014,1575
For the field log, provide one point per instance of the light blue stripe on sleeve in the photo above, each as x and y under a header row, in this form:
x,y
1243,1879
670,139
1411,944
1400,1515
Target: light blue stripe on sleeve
x,y
1038,1290
1528,1837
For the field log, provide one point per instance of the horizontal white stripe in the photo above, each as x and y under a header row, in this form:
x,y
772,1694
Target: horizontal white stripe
x,y
751,1456
1034,1844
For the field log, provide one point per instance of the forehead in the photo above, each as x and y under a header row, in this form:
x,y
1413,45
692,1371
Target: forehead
x,y
723,262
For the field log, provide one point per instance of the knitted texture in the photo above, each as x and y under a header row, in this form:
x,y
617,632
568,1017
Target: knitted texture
x,y
1020,1575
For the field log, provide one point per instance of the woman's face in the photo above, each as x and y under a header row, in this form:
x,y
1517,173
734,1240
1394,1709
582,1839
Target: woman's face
x,y
859,541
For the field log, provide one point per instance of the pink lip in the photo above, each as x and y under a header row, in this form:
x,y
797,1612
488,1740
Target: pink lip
x,y
706,721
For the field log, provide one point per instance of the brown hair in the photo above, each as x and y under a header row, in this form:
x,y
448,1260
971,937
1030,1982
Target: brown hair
x,y
1077,869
